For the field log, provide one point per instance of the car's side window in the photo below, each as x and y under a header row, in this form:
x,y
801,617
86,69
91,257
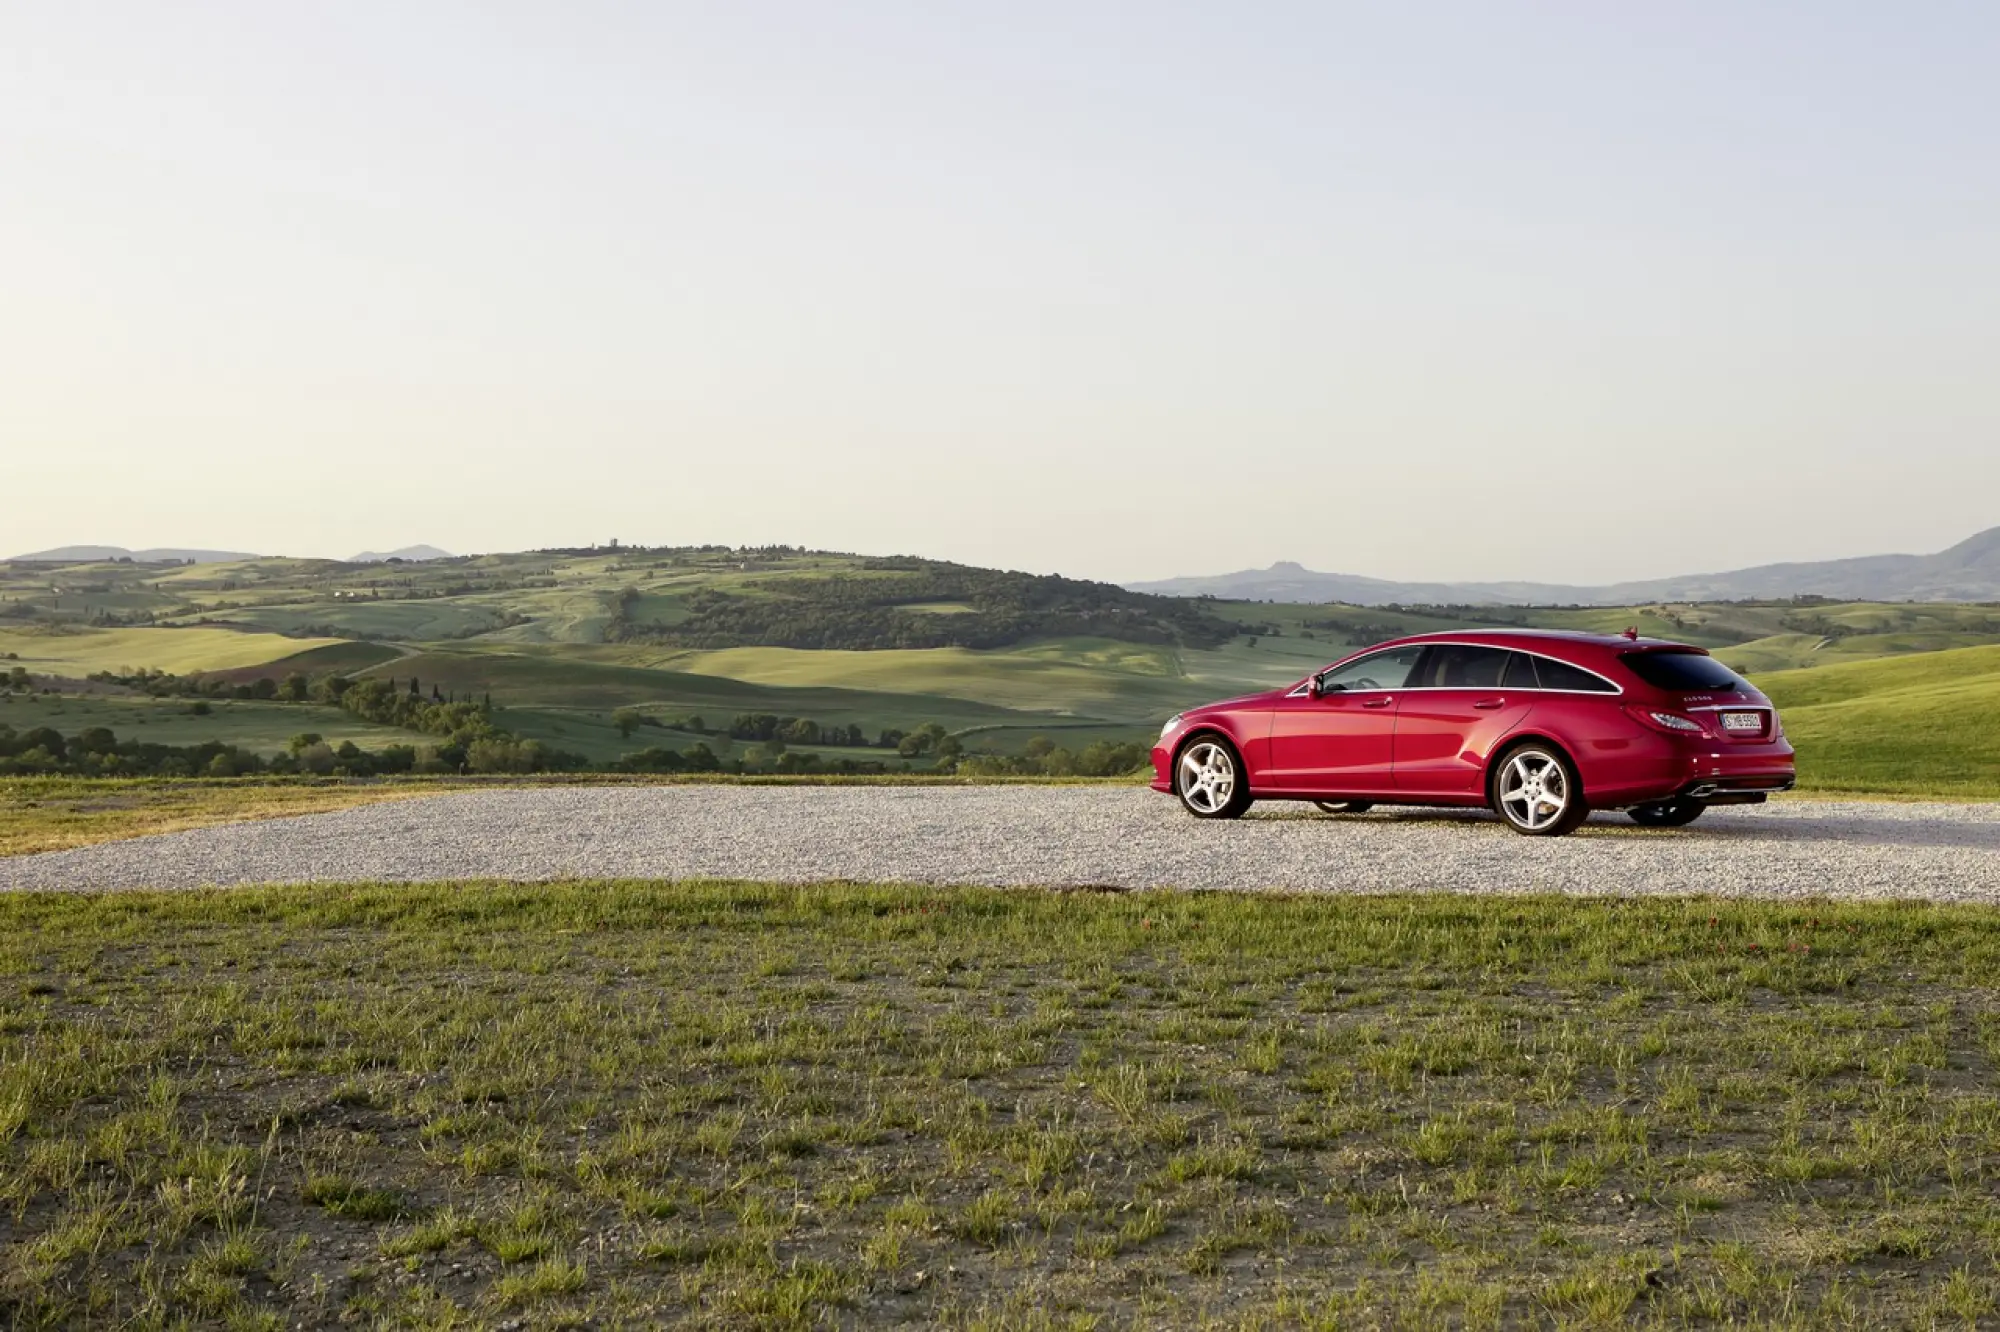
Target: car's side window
x,y
1377,670
1561,675
1462,666
1520,672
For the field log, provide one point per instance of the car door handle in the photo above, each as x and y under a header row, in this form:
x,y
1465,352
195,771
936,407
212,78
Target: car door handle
x,y
1377,702
1489,704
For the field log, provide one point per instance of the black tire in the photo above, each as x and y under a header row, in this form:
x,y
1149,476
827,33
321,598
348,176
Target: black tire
x,y
1209,778
1544,771
1345,806
1668,813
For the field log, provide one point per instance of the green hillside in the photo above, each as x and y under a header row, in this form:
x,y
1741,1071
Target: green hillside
x,y
66,650
1918,724
1882,696
263,728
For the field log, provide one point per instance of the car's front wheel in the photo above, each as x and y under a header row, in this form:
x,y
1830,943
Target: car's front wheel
x,y
1668,813
1209,778
1536,790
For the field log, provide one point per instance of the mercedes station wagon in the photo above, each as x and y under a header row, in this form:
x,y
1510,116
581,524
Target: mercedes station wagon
x,y
1539,726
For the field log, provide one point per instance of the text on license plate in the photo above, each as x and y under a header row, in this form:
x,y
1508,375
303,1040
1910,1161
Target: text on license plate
x,y
1742,721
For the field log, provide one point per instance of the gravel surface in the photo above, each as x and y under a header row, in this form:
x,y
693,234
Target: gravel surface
x,y
1058,836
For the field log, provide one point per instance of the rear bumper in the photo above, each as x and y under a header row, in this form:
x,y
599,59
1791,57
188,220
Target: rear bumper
x,y
1653,772
1739,790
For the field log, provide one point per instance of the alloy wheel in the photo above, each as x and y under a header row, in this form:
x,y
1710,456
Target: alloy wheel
x,y
1207,777
1534,790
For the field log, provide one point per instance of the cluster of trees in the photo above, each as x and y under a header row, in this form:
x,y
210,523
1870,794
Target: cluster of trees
x,y
17,678
471,741
296,687
700,758
767,726
872,612
1357,631
96,751
162,684
1042,757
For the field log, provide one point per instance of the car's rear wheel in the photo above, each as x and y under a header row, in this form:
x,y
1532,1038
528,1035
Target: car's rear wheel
x,y
1208,777
1535,789
1668,813
1345,806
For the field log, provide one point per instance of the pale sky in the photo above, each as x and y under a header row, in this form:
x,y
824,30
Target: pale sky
x,y
1477,290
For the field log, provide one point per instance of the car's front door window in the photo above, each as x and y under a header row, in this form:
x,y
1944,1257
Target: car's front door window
x,y
1377,670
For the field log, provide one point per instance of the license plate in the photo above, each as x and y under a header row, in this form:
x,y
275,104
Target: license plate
x,y
1742,721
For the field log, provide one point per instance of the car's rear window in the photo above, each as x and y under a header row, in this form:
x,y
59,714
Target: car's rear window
x,y
1570,679
1682,672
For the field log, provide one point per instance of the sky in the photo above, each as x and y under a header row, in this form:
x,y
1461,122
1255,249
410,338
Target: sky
x,y
1451,290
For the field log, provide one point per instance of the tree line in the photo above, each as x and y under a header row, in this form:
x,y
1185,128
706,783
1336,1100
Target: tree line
x,y
863,613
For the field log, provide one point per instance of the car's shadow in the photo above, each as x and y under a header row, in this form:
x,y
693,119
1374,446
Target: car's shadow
x,y
1850,823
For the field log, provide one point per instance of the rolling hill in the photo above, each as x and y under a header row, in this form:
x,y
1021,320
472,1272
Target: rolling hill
x,y
1969,571
1885,696
155,555
411,554
1924,724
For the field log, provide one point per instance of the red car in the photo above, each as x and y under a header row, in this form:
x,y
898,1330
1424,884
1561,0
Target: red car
x,y
1540,726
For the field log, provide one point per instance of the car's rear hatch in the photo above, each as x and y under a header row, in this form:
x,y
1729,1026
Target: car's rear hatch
x,y
1704,687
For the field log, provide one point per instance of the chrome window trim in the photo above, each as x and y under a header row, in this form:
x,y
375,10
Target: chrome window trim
x,y
1302,689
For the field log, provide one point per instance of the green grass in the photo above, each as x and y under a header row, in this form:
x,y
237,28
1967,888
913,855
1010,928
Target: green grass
x,y
261,727
591,732
1926,724
1125,682
758,1106
554,679
398,621
80,652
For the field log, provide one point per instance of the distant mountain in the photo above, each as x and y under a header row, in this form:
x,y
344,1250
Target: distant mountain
x,y
414,554
1969,571
80,554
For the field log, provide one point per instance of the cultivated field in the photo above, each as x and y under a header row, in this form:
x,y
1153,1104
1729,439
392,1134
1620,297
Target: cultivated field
x,y
85,651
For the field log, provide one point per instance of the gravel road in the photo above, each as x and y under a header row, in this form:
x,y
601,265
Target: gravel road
x,y
1069,836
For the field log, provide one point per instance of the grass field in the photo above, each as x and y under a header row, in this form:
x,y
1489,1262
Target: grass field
x,y
179,651
599,1104
592,734
1927,724
1111,681
261,727
553,680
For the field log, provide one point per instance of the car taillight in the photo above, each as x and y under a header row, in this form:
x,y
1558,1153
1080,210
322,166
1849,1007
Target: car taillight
x,y
1667,723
